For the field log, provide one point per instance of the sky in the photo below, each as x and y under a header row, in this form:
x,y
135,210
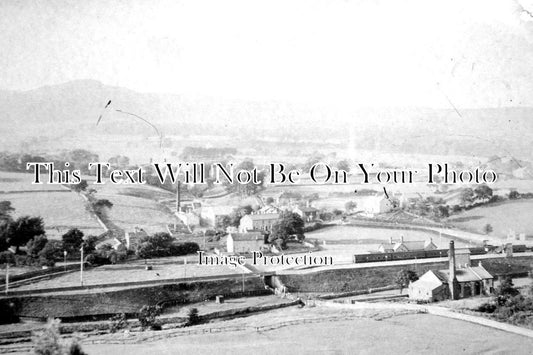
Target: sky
x,y
344,53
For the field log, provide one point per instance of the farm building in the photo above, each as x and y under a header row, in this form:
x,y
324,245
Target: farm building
x,y
132,238
459,281
258,222
209,214
375,204
269,209
401,245
307,213
245,242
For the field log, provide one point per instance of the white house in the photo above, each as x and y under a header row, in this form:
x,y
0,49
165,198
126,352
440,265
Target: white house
x,y
258,222
210,213
245,242
375,204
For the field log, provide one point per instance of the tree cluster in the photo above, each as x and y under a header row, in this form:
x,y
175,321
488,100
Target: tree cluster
x,y
163,244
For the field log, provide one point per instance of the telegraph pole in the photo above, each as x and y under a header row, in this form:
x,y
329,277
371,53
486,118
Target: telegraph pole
x,y
81,266
64,260
7,277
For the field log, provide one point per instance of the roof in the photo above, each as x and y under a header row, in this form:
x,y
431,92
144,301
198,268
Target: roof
x,y
307,209
218,210
250,236
468,274
263,216
426,284
410,245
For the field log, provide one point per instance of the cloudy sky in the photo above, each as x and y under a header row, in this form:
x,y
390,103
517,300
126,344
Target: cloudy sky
x,y
346,53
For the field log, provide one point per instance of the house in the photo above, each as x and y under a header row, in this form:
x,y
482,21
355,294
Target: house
x,y
269,209
307,213
132,238
258,222
455,283
375,204
188,218
401,245
210,214
237,243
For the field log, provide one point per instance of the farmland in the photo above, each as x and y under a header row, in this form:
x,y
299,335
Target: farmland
x,y
163,268
512,215
60,211
362,239
327,331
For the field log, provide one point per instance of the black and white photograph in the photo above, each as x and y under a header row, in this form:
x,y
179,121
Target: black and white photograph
x,y
266,177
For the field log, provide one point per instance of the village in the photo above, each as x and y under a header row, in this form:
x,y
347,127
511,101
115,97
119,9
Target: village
x,y
283,244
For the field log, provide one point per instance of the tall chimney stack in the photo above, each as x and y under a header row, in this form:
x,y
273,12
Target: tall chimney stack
x,y
178,197
454,285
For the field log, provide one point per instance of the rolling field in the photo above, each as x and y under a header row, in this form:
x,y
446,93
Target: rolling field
x,y
361,239
325,331
515,215
129,212
19,182
60,211
163,268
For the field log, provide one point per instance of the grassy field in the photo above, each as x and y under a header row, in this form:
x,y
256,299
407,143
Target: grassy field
x,y
17,182
164,268
60,211
362,239
514,215
327,331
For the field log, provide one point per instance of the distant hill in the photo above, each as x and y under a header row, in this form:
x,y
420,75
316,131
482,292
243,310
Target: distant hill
x,y
53,111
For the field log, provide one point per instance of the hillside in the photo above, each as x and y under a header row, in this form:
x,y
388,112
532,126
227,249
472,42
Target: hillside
x,y
69,111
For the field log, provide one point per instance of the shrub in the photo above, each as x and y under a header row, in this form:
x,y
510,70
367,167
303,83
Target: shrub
x,y
7,257
50,343
148,317
118,322
193,317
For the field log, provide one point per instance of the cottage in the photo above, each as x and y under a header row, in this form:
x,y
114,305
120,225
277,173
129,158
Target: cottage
x,y
454,283
237,243
210,214
307,213
375,204
132,238
258,222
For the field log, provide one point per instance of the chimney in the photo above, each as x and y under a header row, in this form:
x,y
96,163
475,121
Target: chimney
x,y
178,198
452,282
307,203
401,238
390,240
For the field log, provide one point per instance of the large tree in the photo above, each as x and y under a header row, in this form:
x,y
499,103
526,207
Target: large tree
x,y
72,241
22,230
404,277
289,224
5,211
249,188
483,192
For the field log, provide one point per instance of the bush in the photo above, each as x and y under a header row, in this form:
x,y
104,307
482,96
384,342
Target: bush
x,y
192,317
118,322
51,252
7,257
50,343
148,317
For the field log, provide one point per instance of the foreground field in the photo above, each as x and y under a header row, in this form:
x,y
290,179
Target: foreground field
x,y
324,331
502,217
